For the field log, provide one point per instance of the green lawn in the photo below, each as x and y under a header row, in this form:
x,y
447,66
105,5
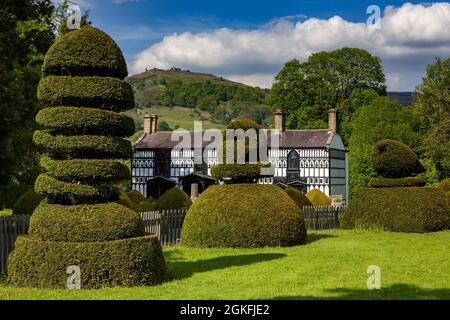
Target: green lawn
x,y
5,212
332,265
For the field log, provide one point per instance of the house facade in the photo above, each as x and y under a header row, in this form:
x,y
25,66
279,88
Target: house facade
x,y
309,159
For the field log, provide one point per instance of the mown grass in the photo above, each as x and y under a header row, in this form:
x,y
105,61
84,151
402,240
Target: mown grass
x,y
331,266
5,212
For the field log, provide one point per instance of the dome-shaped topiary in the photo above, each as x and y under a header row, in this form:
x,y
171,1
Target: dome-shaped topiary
x,y
299,198
83,138
136,196
173,198
84,52
243,215
318,198
393,159
27,203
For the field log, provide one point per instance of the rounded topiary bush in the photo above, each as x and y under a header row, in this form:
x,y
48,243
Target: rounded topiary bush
x,y
318,198
243,215
27,203
83,139
393,159
397,182
173,198
136,196
299,198
405,209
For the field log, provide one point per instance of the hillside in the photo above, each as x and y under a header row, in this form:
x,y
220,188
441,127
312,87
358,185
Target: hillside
x,y
209,97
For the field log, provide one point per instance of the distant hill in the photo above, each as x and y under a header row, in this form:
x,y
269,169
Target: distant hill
x,y
220,99
405,98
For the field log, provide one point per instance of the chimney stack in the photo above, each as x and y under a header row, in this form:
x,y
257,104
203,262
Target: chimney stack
x,y
280,120
154,123
147,124
332,120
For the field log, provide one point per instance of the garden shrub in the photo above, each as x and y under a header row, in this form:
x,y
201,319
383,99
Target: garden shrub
x,y
136,196
243,215
27,203
174,198
318,198
238,173
444,185
125,200
134,261
146,205
393,159
243,124
299,198
397,182
404,209
81,222
84,223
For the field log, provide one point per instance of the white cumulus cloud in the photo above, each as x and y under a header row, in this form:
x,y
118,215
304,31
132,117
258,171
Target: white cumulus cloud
x,y
410,37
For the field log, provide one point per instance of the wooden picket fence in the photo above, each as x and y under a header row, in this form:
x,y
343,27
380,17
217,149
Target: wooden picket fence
x,y
10,228
323,217
166,224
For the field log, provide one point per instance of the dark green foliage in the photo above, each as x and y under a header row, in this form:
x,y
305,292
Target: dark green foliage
x,y
299,198
84,146
88,92
393,159
243,215
85,52
398,209
72,120
238,173
444,185
136,196
86,170
85,223
174,198
397,182
146,205
244,124
318,198
74,193
127,262
27,203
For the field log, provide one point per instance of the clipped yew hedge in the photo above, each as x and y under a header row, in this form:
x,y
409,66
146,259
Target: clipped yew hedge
x,y
318,198
404,209
243,215
88,92
85,170
83,146
397,182
85,52
73,120
127,262
85,223
174,198
299,198
27,203
393,159
238,173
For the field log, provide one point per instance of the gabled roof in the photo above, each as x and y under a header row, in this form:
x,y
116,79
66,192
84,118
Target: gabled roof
x,y
315,138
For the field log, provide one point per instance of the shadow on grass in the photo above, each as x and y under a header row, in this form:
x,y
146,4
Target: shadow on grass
x,y
312,237
396,291
184,269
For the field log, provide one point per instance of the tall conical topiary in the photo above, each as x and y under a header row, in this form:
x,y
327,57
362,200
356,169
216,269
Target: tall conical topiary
x,y
80,224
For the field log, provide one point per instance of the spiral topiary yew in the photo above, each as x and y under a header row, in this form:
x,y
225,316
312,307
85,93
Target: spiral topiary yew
x,y
80,223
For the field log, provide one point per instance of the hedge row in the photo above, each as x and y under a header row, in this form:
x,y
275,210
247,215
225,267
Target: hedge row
x,y
84,146
85,52
397,182
243,215
74,193
74,120
405,209
299,198
129,262
94,92
85,223
86,170
238,173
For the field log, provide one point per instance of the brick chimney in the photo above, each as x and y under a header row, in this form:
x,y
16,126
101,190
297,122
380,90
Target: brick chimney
x,y
154,123
280,120
147,123
332,120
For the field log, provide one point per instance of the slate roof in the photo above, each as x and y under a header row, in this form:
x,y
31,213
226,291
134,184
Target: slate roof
x,y
315,138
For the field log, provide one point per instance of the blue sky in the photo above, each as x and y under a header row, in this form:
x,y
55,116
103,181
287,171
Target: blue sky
x,y
249,40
